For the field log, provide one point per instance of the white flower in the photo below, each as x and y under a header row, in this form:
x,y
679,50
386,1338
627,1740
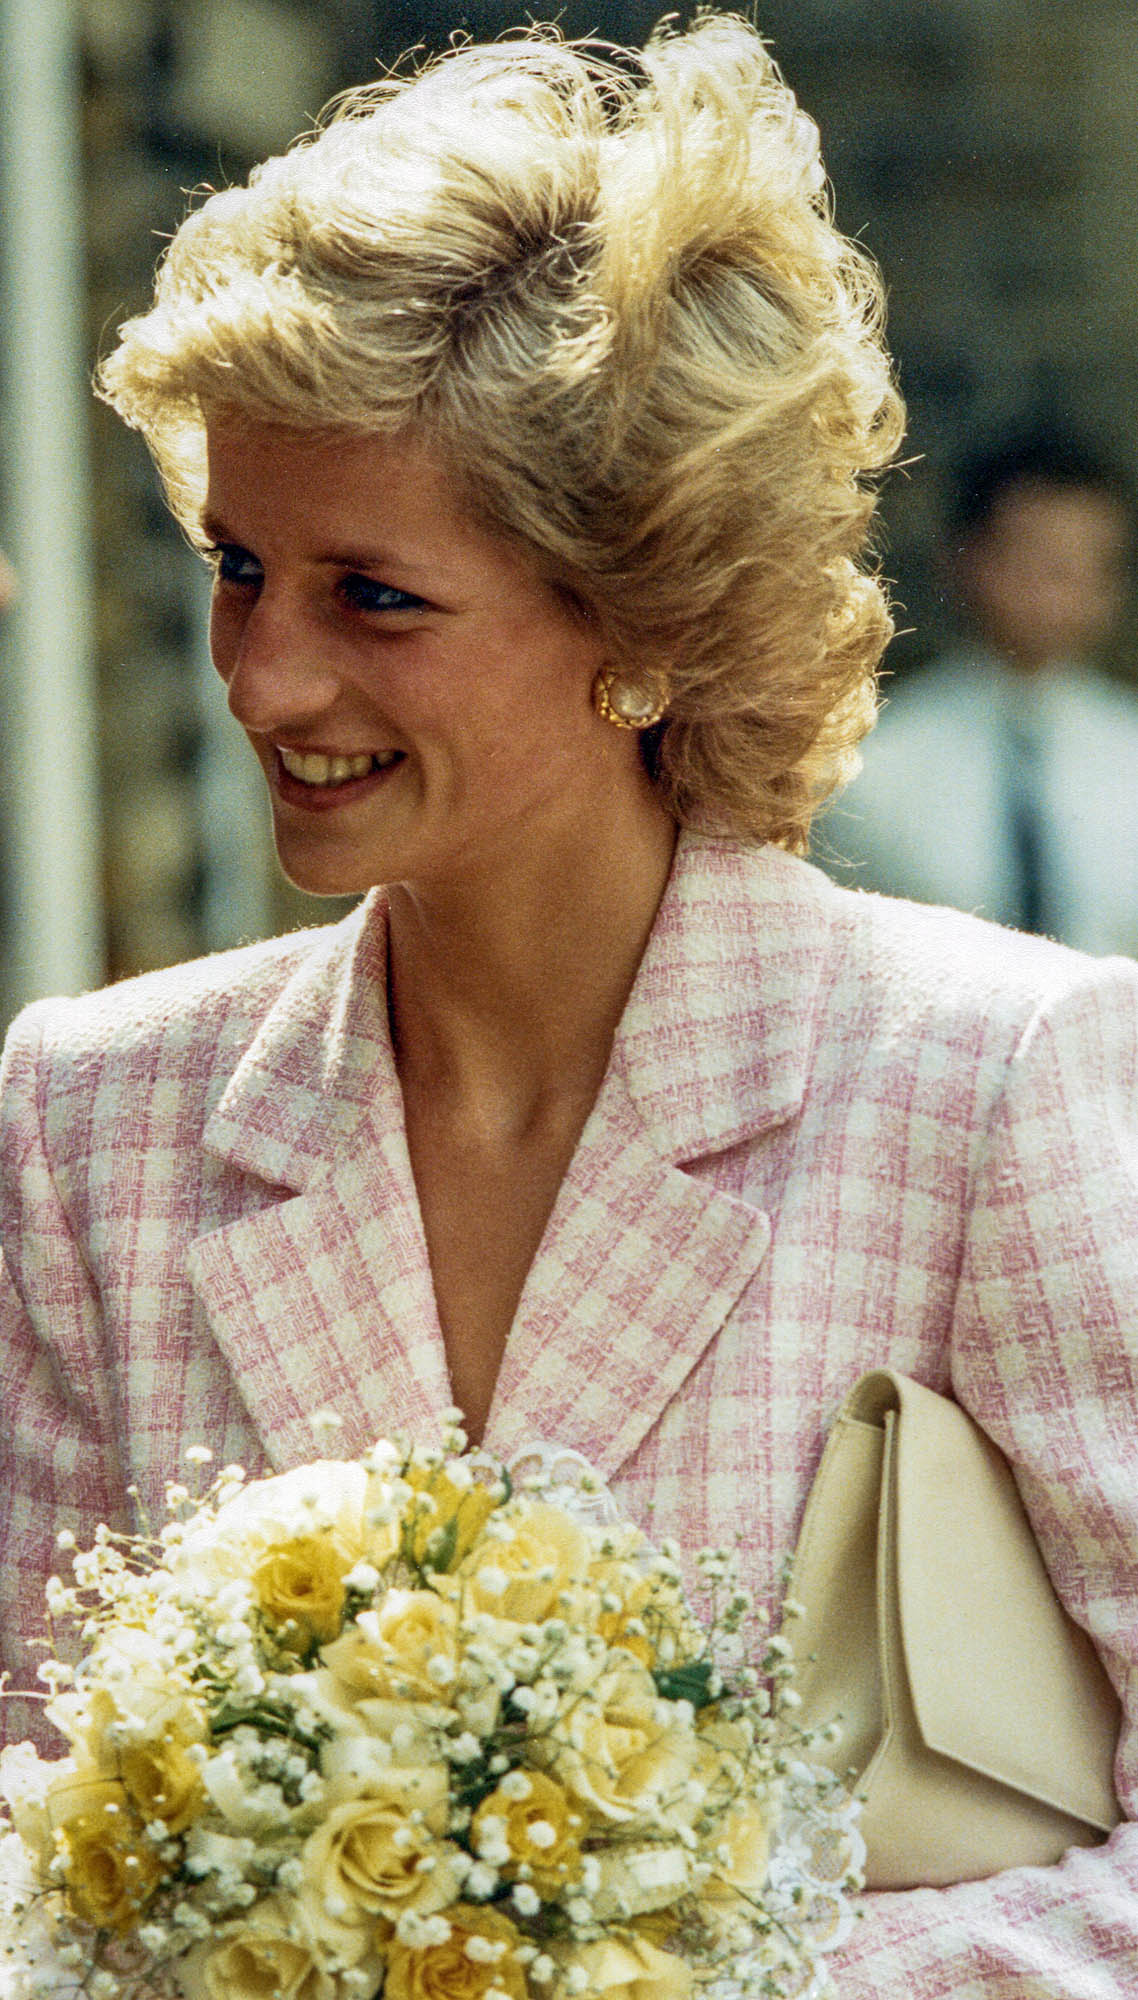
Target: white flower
x,y
463,1749
364,1577
419,1933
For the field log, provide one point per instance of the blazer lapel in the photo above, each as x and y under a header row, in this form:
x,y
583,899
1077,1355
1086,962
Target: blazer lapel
x,y
643,1262
640,1266
320,1296
324,1301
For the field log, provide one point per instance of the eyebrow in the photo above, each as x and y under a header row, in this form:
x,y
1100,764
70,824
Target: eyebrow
x,y
215,530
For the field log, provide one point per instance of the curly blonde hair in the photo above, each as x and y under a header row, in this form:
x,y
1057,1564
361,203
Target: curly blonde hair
x,y
610,294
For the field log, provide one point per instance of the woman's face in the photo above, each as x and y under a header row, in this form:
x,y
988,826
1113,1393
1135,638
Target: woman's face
x,y
418,696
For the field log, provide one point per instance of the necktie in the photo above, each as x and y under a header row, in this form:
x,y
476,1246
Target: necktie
x,y
1025,824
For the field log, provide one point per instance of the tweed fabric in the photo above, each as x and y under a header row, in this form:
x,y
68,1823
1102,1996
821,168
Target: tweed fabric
x,y
836,1133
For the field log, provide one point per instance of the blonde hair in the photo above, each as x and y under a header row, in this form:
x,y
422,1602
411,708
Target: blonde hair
x,y
611,296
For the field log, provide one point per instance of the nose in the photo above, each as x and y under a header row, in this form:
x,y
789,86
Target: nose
x,y
272,659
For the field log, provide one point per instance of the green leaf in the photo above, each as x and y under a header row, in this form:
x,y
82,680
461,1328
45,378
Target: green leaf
x,y
439,1552
691,1682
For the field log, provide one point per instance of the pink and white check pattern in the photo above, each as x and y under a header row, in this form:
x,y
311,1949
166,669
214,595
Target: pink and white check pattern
x,y
836,1133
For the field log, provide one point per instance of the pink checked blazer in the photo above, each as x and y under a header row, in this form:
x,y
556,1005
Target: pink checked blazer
x,y
836,1133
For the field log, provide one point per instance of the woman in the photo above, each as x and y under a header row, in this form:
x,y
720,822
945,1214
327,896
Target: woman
x,y
525,414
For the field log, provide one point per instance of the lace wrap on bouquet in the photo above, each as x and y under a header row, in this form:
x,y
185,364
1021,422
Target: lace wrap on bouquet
x,y
816,1848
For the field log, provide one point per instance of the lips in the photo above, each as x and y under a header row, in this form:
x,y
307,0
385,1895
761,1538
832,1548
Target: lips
x,y
326,782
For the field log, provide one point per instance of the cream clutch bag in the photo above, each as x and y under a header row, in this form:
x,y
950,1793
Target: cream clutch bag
x,y
974,1715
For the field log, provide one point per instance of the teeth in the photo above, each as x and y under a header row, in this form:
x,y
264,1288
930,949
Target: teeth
x,y
315,767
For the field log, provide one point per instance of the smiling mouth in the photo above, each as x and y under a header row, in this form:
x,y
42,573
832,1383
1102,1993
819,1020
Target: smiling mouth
x,y
316,767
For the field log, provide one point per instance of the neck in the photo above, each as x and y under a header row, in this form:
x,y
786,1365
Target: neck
x,y
505,994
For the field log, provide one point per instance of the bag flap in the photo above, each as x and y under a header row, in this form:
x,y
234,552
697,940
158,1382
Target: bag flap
x,y
835,1639
1002,1679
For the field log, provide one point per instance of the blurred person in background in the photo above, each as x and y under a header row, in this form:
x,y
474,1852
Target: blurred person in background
x,y
1003,777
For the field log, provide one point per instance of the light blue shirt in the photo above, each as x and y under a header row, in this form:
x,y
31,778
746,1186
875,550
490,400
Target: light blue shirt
x,y
933,815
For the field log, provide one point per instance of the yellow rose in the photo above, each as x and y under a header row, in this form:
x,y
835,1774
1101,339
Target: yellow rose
x,y
379,1855
266,1955
613,1626
637,1599
110,1869
387,1652
360,1731
376,1738
129,1683
523,1579
740,1850
627,1967
330,1498
538,1825
444,1533
299,1586
163,1781
623,1752
478,1957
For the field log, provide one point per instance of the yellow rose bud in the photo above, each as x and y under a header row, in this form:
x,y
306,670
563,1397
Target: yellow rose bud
x,y
299,1586
110,1868
388,1652
740,1851
524,1579
477,1956
446,1532
622,1754
613,1626
385,1853
163,1781
264,1956
634,1600
725,1749
540,1828
627,1967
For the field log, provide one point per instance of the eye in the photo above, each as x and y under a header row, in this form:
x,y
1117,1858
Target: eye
x,y
234,565
366,593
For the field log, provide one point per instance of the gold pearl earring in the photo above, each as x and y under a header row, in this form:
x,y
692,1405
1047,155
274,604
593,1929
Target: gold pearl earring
x,y
627,703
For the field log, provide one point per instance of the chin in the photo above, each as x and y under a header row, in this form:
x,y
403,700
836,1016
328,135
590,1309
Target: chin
x,y
313,879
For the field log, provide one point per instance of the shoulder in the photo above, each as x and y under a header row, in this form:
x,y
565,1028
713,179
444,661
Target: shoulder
x,y
877,952
869,967
190,1022
914,975
1089,700
890,974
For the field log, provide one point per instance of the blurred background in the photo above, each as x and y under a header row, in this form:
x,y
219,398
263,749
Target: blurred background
x,y
986,151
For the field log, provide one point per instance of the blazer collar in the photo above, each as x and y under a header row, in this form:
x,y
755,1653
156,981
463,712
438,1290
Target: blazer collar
x,y
325,1298
716,1038
713,1047
319,1065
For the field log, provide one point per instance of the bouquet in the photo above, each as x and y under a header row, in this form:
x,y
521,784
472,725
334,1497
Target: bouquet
x,y
406,1726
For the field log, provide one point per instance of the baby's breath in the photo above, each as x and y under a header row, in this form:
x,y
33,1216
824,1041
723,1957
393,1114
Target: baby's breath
x,y
507,1710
